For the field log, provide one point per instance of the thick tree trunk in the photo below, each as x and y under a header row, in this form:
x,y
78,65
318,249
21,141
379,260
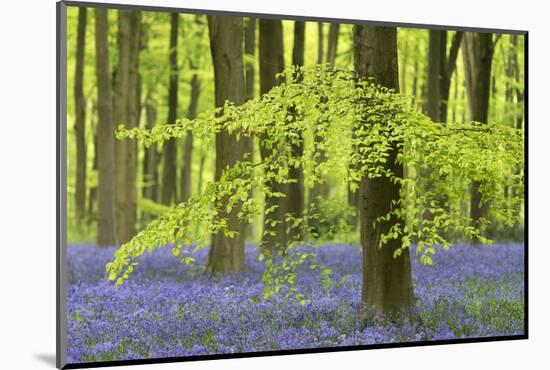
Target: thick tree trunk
x,y
271,63
168,193
80,117
105,127
150,160
387,282
126,112
226,45
295,199
478,56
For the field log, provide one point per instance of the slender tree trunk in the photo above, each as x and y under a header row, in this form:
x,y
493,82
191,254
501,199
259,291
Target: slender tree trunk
x,y
250,80
150,160
436,56
332,47
168,193
187,168
93,189
271,63
105,152
448,68
387,282
202,161
126,113
478,56
320,43
295,199
250,50
226,45
80,117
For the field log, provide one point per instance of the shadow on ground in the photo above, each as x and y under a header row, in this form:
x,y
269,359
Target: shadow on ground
x,y
47,358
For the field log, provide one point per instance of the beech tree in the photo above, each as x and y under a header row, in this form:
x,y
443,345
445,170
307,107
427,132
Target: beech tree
x,y
478,49
226,45
271,57
105,139
168,193
387,281
127,113
296,199
440,71
80,117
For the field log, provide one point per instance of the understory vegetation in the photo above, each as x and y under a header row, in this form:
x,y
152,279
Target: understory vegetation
x,y
171,309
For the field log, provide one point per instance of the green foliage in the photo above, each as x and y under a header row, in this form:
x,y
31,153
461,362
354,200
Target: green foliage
x,y
360,124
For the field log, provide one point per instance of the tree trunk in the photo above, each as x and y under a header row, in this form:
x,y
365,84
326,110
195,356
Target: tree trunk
x,y
387,282
478,56
226,45
332,47
126,113
186,185
436,56
250,50
295,199
105,127
271,63
250,80
80,118
448,68
320,43
150,160
93,189
168,193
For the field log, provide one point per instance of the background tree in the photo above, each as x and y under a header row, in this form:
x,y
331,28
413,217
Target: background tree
x,y
271,57
185,183
226,44
168,193
387,281
80,117
151,156
296,199
440,71
478,51
127,113
105,138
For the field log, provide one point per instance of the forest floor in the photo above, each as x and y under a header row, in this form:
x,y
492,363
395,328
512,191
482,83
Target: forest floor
x,y
167,309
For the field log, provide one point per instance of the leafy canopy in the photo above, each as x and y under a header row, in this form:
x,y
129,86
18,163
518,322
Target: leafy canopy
x,y
356,123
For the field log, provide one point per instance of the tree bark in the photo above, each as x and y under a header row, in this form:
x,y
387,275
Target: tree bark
x,y
250,83
478,55
80,117
126,113
271,63
332,47
105,152
187,168
295,199
168,193
226,45
436,56
150,160
320,43
387,281
93,189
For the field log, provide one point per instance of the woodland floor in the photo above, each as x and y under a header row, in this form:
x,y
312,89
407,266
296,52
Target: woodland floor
x,y
167,309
